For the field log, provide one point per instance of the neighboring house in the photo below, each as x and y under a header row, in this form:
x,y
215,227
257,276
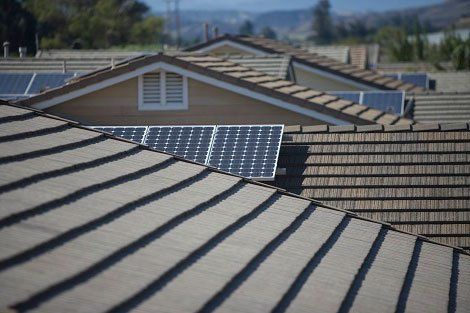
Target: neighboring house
x,y
311,70
197,89
92,223
441,107
415,177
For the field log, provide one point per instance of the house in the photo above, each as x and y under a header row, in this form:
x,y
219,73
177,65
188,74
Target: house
x,y
311,70
190,88
93,223
416,178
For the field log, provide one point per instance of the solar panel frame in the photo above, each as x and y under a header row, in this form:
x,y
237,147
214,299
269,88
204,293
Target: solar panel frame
x,y
354,96
105,129
14,83
377,103
186,156
274,162
44,81
418,79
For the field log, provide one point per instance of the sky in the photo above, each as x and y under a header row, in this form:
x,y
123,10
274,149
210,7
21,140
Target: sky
x,y
339,6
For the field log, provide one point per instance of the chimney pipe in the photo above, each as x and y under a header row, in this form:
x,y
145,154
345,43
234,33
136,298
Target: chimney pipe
x,y
206,32
6,49
215,30
22,51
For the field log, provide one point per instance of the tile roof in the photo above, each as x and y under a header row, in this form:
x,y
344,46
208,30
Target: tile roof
x,y
238,75
271,64
441,107
92,223
355,55
415,177
324,63
452,81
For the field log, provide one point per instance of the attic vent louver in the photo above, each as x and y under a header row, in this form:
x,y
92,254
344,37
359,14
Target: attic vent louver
x,y
151,89
162,91
174,89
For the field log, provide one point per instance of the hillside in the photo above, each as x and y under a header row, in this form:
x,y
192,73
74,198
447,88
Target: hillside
x,y
295,24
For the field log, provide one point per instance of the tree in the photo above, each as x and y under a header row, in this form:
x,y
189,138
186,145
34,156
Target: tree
x,y
93,23
322,25
396,43
17,25
148,31
268,32
246,29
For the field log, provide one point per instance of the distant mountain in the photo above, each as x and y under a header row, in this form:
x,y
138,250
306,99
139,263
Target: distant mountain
x,y
295,24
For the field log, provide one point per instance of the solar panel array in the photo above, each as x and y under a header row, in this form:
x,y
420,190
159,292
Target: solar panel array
x,y
246,150
190,142
249,151
387,101
134,133
24,85
418,79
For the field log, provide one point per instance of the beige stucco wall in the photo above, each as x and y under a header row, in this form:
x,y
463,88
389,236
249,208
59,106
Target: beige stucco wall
x,y
317,82
117,105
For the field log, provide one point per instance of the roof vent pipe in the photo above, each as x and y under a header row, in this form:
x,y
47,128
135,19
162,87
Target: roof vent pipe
x,y
206,32
215,30
22,51
64,66
6,49
113,63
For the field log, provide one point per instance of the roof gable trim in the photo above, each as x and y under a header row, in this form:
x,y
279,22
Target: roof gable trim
x,y
193,75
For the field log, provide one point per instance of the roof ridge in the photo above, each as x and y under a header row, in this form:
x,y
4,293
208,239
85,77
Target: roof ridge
x,y
215,170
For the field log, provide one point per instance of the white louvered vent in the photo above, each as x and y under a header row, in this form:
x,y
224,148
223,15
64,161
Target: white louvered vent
x,y
161,90
173,89
151,89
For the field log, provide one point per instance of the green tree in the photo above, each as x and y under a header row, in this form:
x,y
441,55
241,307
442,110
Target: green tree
x,y
396,43
322,24
92,23
461,55
17,25
268,32
148,31
246,29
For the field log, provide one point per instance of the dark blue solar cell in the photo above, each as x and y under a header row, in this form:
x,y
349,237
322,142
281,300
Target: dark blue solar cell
x,y
14,83
394,76
387,101
44,81
134,133
249,151
351,96
418,79
189,142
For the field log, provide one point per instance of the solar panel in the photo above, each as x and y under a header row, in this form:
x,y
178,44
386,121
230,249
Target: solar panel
x,y
418,79
387,101
134,133
394,76
14,83
351,96
43,81
249,151
190,142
